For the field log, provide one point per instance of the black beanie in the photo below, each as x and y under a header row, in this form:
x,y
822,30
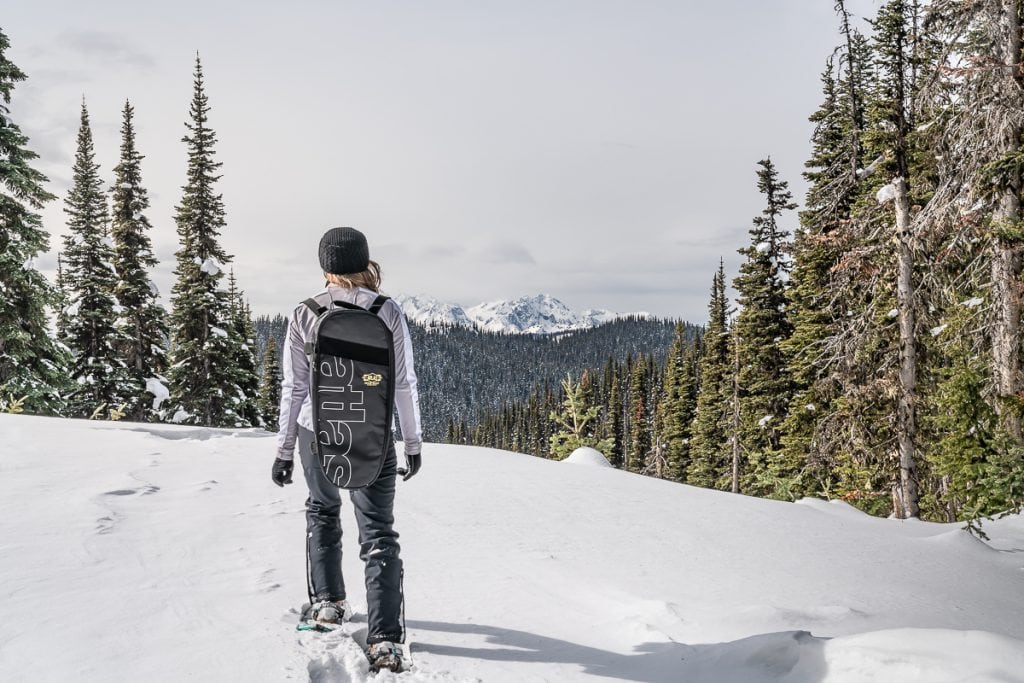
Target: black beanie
x,y
344,251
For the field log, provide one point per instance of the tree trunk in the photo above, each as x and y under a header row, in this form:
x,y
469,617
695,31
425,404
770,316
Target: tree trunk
x,y
1006,255
906,498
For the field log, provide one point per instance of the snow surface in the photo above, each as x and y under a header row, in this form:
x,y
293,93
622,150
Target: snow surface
x,y
585,455
136,551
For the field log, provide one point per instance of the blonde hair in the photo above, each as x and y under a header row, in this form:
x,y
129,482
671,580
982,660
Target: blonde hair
x,y
369,278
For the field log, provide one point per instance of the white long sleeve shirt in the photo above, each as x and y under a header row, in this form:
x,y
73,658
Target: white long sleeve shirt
x,y
296,408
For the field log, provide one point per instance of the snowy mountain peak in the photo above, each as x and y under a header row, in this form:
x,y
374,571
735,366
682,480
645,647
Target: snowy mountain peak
x,y
429,311
538,314
541,314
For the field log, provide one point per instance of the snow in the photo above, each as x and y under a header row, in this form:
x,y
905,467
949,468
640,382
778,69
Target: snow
x,y
154,289
892,313
973,302
210,266
886,194
936,331
159,391
180,415
763,422
763,247
218,331
585,455
172,556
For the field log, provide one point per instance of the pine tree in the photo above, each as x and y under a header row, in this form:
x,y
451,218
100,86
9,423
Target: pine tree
x,y
270,391
639,444
981,468
806,462
761,327
617,454
143,323
62,300
709,449
203,390
575,422
676,408
973,220
32,367
243,337
889,135
97,368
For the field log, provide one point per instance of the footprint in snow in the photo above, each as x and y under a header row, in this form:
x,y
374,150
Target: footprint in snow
x,y
147,490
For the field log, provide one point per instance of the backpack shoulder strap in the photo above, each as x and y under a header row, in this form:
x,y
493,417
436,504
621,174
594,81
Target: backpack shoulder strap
x,y
314,306
377,304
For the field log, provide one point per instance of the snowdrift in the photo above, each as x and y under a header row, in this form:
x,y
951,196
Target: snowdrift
x,y
160,552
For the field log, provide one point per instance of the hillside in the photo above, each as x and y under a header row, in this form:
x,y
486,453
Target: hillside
x,y
462,371
156,552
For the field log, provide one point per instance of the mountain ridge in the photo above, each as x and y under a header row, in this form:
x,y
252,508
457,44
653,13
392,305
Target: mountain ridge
x,y
529,314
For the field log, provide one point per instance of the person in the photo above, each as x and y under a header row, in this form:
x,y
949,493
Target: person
x,y
352,277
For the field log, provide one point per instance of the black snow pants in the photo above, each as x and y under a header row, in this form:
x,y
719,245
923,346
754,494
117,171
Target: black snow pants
x,y
378,543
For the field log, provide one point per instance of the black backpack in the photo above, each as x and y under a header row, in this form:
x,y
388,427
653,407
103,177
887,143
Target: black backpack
x,y
352,391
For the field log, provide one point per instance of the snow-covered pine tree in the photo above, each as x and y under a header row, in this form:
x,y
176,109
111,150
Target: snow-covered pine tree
x,y
709,448
202,372
270,389
97,369
32,367
765,387
243,336
143,321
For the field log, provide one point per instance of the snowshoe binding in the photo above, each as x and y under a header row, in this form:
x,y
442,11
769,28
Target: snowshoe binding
x,y
324,615
329,611
386,656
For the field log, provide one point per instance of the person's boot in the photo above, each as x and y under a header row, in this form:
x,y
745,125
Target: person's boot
x,y
330,611
386,655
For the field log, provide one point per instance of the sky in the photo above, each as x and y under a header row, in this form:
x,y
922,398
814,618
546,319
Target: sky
x,y
601,151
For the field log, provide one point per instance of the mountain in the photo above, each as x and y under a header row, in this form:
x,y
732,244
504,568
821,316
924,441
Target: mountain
x,y
159,552
540,314
430,312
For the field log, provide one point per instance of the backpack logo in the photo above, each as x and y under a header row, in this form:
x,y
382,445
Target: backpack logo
x,y
372,379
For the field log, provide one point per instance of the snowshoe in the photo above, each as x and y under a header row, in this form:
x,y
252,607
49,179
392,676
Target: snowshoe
x,y
329,611
324,615
386,656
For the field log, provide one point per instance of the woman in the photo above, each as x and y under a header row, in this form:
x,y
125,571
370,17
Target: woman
x,y
354,278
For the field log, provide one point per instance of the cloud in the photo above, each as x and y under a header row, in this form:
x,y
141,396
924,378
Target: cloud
x,y
106,47
505,253
442,252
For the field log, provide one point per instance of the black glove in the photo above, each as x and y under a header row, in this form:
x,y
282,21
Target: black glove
x,y
282,472
413,461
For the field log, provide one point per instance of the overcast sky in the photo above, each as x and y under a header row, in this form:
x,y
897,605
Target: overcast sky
x,y
601,151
